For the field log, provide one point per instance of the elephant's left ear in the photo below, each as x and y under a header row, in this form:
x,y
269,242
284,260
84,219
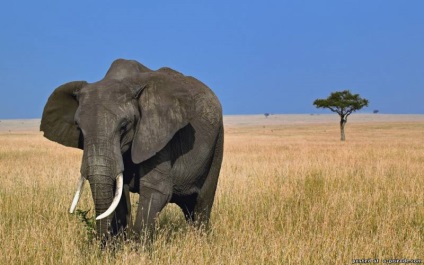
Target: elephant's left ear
x,y
164,111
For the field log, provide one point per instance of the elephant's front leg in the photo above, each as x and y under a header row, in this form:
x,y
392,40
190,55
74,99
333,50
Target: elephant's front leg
x,y
155,192
151,203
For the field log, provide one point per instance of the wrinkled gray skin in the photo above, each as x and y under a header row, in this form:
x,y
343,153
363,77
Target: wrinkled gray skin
x,y
162,129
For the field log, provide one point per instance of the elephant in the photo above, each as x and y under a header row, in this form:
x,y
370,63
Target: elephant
x,y
155,133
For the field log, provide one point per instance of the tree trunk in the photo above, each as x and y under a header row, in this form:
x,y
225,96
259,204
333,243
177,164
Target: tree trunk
x,y
342,125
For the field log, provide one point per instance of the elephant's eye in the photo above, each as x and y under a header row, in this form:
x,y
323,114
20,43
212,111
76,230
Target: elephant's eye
x,y
124,125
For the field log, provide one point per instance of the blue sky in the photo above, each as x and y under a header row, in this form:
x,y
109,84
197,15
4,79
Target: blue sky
x,y
258,56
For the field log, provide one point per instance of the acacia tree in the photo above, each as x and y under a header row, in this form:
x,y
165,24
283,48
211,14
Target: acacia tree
x,y
343,103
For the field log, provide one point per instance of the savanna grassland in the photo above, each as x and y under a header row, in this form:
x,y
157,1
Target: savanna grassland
x,y
289,193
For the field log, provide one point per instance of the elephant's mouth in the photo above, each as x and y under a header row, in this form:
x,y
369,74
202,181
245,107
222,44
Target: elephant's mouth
x,y
113,205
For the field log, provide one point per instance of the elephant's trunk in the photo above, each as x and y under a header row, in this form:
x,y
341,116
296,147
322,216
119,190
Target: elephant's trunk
x,y
102,188
101,166
116,198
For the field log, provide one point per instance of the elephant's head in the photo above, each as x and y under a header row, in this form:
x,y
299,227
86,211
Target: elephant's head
x,y
125,110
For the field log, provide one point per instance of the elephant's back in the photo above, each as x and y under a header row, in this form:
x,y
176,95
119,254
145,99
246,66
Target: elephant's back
x,y
196,97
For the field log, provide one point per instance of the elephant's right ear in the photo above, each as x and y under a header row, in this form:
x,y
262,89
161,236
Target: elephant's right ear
x,y
58,122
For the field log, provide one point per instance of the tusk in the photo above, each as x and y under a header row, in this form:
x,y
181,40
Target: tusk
x,y
77,194
116,199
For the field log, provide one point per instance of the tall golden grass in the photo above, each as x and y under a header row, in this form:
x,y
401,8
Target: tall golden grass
x,y
288,194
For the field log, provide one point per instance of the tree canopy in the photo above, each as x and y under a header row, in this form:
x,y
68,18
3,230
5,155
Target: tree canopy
x,y
342,102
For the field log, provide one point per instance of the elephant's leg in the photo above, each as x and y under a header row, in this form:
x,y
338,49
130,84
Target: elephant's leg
x,y
151,202
205,199
206,196
155,192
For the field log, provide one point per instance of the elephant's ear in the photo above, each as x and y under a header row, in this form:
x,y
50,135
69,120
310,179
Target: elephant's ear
x,y
57,121
164,111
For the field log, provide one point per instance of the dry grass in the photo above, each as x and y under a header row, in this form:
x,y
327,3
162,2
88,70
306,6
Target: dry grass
x,y
288,194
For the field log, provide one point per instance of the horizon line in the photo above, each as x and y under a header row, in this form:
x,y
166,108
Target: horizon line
x,y
271,114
